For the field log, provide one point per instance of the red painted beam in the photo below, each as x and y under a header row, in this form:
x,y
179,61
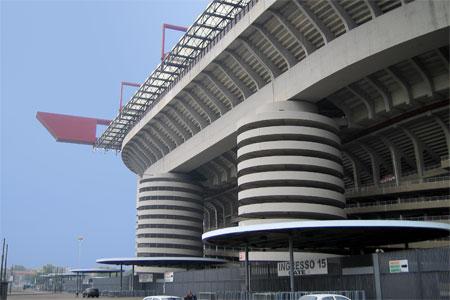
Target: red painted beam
x,y
71,129
122,84
163,43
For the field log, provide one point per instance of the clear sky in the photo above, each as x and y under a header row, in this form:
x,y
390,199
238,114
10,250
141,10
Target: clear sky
x,y
69,57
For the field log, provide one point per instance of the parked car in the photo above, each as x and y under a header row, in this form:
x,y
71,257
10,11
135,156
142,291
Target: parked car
x,y
91,292
323,297
162,298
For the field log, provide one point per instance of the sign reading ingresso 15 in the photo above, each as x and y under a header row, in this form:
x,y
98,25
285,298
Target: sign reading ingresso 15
x,y
304,267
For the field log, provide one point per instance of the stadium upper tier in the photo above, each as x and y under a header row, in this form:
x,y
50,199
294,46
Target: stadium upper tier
x,y
291,111
378,68
209,27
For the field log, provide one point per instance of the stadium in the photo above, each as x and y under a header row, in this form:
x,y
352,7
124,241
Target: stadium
x,y
319,127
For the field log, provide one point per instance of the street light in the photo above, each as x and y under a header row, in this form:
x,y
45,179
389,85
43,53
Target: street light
x,y
80,240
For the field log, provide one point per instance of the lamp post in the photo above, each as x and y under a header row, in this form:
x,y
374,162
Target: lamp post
x,y
80,240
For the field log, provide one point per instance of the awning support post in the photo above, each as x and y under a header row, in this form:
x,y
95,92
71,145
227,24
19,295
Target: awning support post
x,y
291,263
121,276
132,278
247,270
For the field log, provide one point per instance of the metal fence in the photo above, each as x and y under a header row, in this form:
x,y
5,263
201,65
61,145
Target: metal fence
x,y
137,293
237,295
359,277
3,290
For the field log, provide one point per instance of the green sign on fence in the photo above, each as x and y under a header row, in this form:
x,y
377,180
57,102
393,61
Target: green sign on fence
x,y
398,266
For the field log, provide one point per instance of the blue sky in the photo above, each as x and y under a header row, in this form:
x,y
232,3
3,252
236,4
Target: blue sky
x,y
69,57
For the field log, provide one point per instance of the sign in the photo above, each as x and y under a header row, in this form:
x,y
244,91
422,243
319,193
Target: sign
x,y
144,277
398,266
168,276
241,256
304,267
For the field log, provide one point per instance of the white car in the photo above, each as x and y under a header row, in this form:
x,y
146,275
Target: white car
x,y
323,297
162,298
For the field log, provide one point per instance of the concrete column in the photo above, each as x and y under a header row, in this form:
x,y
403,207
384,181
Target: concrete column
x,y
376,276
170,216
289,165
397,166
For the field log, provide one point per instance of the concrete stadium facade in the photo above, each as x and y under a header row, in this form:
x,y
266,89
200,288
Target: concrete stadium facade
x,y
303,110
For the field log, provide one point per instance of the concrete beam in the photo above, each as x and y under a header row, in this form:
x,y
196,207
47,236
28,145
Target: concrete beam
x,y
259,82
417,64
245,91
324,31
364,99
223,89
445,130
214,100
343,15
288,57
375,10
402,82
307,46
195,115
387,98
261,58
187,122
179,127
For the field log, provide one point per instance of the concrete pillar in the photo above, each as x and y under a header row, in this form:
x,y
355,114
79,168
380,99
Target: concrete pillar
x,y
289,165
376,276
170,216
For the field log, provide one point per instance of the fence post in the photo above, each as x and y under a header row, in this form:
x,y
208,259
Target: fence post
x,y
376,276
419,270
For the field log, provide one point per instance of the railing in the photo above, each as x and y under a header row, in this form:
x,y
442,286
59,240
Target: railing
x,y
382,186
421,218
431,167
398,201
238,295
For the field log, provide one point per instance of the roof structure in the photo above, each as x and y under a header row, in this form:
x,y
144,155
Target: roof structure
x,y
95,270
50,275
206,31
162,261
336,234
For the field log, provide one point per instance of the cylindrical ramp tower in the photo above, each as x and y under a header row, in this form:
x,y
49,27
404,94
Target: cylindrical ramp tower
x,y
170,216
289,165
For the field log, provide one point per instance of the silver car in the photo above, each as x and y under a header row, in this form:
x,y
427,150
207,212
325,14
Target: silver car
x,y
162,298
323,297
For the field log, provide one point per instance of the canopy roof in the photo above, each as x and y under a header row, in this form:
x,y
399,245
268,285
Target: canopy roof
x,y
164,261
339,234
96,270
